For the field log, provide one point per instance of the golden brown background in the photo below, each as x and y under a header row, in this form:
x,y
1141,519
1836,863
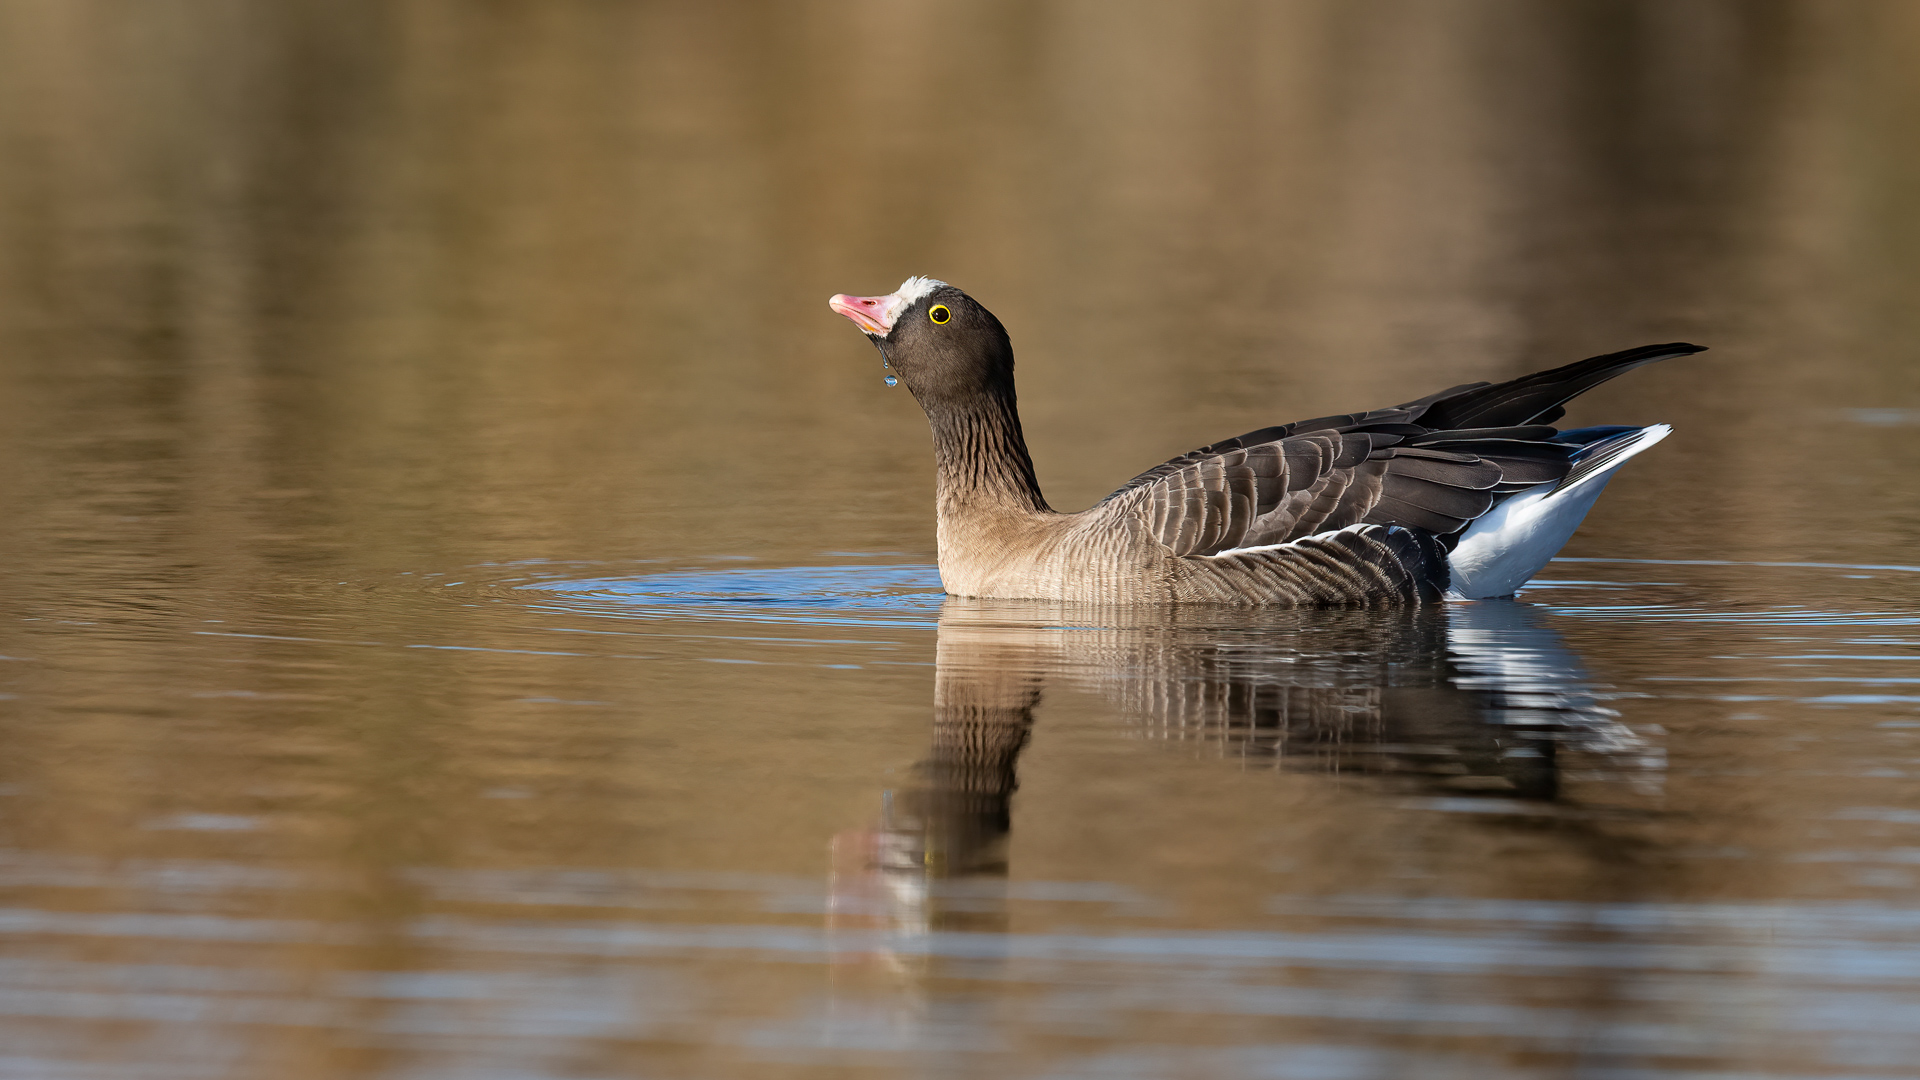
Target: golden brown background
x,y
308,309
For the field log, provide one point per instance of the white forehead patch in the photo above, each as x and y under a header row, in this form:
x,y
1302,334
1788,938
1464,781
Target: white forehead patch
x,y
916,288
910,292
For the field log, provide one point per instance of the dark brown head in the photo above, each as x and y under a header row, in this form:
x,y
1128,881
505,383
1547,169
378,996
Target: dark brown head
x,y
946,347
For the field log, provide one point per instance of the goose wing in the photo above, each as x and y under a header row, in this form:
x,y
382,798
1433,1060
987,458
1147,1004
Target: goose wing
x,y
1434,464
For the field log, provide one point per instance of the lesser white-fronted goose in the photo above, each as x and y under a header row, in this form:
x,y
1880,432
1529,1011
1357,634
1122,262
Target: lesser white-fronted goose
x,y
1465,493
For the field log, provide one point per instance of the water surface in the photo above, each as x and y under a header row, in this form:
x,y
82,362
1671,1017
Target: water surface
x,y
468,609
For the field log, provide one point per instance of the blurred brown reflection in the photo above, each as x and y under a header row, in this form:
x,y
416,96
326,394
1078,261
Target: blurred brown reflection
x,y
349,283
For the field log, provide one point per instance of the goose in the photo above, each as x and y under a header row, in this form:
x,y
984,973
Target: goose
x,y
1462,494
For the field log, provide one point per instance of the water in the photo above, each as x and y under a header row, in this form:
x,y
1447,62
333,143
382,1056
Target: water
x,y
467,613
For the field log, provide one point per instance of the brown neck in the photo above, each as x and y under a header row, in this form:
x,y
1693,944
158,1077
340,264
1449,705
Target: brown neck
x,y
981,457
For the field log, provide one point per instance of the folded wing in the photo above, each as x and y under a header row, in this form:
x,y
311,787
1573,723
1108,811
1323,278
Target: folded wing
x,y
1434,464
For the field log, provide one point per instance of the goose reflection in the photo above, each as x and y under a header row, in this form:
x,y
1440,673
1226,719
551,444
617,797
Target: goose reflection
x,y
1480,701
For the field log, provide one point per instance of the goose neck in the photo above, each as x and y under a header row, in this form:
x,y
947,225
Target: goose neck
x,y
981,456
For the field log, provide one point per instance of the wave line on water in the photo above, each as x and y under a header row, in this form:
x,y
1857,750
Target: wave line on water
x,y
1737,562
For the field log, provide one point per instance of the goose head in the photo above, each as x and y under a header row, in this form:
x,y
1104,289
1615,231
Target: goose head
x,y
944,346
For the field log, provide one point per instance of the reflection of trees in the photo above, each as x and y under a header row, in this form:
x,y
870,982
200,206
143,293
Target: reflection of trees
x,y
362,255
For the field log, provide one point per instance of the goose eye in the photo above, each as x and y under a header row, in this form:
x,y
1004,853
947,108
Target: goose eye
x,y
939,313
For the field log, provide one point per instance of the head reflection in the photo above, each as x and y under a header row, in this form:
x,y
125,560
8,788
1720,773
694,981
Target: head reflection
x,y
1472,701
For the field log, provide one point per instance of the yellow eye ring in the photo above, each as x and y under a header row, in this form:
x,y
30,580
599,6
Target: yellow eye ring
x,y
939,314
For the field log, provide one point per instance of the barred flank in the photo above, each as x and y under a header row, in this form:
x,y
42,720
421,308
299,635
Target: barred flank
x,y
1366,564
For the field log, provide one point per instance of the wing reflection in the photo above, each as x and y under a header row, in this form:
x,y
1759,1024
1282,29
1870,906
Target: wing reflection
x,y
1479,700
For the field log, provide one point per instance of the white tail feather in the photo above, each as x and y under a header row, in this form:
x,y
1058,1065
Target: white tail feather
x,y
1505,547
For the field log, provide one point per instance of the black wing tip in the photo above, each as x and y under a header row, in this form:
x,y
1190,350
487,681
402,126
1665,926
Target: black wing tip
x,y
1539,397
1627,359
1671,348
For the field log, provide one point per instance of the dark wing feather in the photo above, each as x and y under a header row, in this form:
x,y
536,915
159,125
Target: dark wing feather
x,y
1538,398
1277,492
1435,464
